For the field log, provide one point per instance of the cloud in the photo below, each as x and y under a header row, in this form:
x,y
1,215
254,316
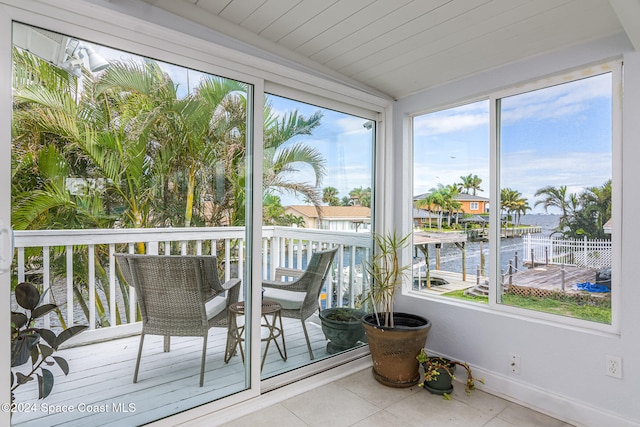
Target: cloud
x,y
528,171
456,119
556,101
352,125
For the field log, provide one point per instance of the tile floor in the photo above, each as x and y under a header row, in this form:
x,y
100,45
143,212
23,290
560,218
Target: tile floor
x,y
358,400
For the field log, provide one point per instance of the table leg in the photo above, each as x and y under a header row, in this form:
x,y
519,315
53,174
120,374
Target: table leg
x,y
234,338
283,352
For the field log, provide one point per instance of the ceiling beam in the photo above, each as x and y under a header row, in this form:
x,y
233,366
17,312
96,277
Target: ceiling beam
x,y
628,12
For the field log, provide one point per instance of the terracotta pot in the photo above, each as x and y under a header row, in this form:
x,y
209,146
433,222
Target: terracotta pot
x,y
394,350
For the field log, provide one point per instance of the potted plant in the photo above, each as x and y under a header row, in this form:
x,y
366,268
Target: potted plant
x,y
343,327
395,339
439,374
34,344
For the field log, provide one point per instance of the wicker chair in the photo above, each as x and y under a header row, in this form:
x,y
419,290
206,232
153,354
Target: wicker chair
x,y
178,296
299,298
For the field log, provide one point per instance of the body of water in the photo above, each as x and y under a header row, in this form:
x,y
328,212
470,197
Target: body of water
x,y
451,256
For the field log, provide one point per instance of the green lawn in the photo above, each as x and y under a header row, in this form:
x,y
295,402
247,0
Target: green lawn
x,y
548,305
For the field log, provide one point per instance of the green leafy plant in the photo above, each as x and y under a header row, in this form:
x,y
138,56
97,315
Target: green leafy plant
x,y
435,366
345,315
29,342
386,274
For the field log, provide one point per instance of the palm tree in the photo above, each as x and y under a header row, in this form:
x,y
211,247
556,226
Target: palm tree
x,y
188,130
556,197
427,203
451,204
440,199
272,210
521,206
330,196
471,182
281,160
592,210
62,134
361,196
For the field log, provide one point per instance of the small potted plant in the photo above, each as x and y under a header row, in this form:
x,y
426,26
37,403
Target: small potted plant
x,y
30,343
343,327
439,374
395,338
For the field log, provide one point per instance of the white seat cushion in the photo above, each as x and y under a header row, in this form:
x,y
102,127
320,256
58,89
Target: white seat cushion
x,y
289,300
215,306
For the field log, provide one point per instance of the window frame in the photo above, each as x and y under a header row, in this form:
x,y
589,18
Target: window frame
x,y
615,68
203,50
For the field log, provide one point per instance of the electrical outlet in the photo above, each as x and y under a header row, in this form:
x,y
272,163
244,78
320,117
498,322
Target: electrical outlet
x,y
514,363
613,366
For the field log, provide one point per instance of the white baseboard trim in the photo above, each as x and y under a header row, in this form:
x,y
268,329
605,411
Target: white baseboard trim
x,y
505,387
546,402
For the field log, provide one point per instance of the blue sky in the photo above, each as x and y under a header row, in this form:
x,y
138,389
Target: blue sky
x,y
555,136
341,138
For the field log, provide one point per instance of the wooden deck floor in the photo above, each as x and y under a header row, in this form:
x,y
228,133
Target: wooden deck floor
x,y
100,390
550,277
541,277
454,280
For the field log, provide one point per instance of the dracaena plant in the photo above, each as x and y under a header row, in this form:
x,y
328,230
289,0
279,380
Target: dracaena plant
x,y
386,274
30,343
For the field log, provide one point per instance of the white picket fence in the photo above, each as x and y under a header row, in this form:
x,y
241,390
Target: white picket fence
x,y
578,252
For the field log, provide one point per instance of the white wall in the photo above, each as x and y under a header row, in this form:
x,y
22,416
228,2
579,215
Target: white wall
x,y
563,367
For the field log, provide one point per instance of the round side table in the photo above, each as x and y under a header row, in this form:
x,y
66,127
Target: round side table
x,y
235,334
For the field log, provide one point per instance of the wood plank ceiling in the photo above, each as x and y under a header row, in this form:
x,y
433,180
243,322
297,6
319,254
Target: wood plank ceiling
x,y
400,47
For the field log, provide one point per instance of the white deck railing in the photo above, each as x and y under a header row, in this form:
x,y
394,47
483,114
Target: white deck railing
x,y
73,257
578,252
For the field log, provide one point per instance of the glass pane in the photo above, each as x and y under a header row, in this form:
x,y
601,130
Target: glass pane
x,y
112,154
556,168
317,195
451,202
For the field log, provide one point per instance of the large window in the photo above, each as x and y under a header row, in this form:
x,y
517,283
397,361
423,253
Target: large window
x,y
318,175
115,153
553,188
556,165
451,201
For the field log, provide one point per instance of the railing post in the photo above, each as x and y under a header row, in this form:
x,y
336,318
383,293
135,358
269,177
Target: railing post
x,y
546,255
533,261
20,265
339,278
46,281
69,256
227,259
299,255
132,294
352,276
510,272
240,259
92,287
265,259
112,285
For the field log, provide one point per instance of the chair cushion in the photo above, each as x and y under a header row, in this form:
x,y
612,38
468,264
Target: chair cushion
x,y
289,300
215,306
